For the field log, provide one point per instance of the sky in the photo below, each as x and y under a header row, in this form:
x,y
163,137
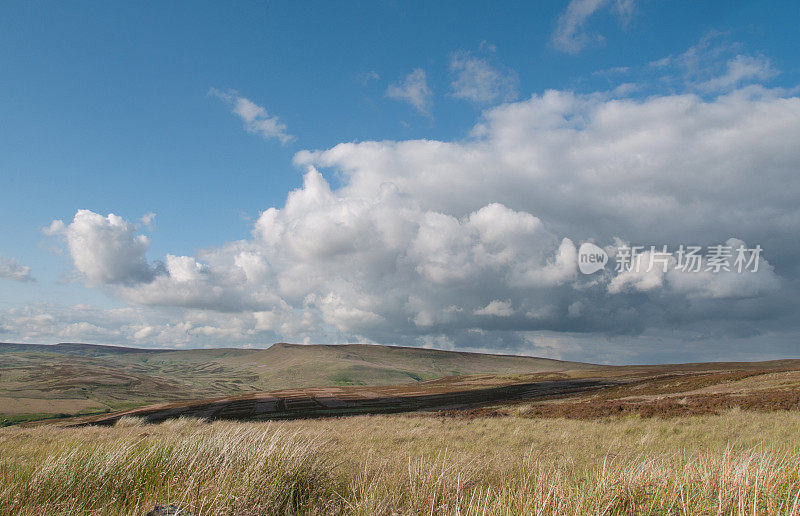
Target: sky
x,y
198,174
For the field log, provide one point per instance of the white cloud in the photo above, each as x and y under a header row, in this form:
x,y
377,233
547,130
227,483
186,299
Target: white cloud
x,y
138,326
147,220
256,119
105,250
649,275
496,308
13,270
740,69
151,328
570,35
726,284
348,263
478,81
414,90
594,166
472,241
642,277
714,65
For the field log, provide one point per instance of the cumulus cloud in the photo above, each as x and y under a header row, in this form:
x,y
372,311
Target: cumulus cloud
x,y
472,243
13,270
477,80
414,90
570,35
727,283
496,308
597,166
640,278
256,119
105,250
352,264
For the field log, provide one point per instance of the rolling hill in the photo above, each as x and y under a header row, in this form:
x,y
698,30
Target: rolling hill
x,y
42,381
90,383
583,393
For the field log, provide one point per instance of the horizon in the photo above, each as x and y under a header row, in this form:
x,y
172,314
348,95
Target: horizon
x,y
610,182
295,344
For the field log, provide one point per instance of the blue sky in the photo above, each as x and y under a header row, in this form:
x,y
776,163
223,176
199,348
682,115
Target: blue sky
x,y
112,109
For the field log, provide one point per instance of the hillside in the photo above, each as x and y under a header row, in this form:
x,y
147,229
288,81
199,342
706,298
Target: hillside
x,y
288,381
586,393
39,381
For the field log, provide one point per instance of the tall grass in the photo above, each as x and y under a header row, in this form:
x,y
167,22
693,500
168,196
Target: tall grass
x,y
754,482
203,470
401,465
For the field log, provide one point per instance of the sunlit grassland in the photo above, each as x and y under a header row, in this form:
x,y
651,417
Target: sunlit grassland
x,y
736,463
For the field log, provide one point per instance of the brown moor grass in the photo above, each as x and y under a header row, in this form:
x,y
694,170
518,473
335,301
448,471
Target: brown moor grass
x,y
735,463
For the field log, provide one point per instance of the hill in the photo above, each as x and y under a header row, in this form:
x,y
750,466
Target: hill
x,y
585,393
104,383
42,381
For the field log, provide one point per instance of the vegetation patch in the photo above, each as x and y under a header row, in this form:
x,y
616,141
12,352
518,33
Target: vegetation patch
x,y
733,463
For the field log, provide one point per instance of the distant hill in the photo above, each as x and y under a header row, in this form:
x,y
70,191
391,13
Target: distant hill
x,y
39,381
293,365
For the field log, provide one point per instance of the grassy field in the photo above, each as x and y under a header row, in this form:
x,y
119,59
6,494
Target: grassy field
x,y
67,379
738,462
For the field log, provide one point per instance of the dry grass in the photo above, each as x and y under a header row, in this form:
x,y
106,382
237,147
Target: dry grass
x,y
735,463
